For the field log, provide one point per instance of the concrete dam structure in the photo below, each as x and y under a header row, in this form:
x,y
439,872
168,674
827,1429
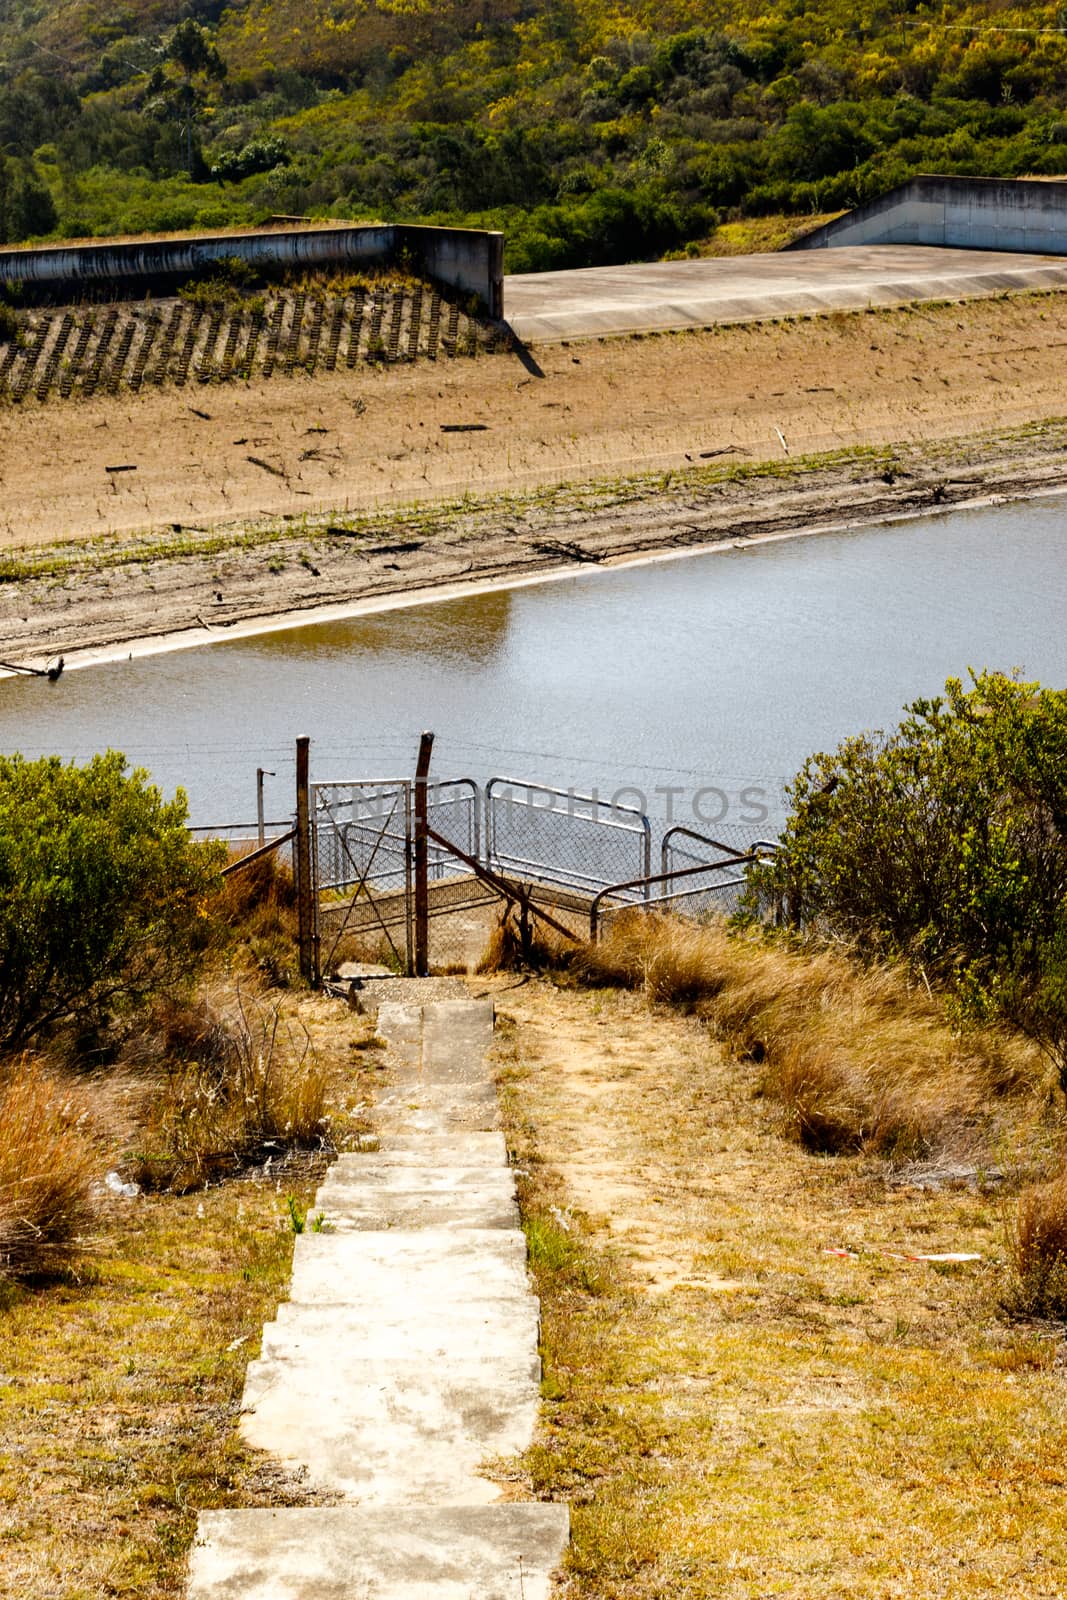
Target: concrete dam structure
x,y
467,259
1021,214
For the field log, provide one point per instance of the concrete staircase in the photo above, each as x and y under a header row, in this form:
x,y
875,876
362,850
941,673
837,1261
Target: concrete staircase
x,y
405,1358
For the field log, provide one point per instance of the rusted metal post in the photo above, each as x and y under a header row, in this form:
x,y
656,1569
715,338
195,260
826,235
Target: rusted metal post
x,y
422,859
261,826
305,888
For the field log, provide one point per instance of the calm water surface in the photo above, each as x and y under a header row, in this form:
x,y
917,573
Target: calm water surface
x,y
721,670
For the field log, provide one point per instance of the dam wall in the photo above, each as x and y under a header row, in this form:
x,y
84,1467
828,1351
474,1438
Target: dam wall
x,y
465,259
1021,214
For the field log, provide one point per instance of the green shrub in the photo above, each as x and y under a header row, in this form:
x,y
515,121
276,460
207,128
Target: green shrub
x,y
945,843
101,892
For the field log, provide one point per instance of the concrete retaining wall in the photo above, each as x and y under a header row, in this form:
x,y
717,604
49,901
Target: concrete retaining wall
x,y
466,259
965,213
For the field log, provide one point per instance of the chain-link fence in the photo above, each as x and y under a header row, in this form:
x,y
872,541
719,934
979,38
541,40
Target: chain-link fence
x,y
540,834
362,871
583,860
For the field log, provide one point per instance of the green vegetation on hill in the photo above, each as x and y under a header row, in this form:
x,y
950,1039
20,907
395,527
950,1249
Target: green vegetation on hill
x,y
590,133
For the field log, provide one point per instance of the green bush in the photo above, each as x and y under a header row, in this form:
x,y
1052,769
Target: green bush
x,y
944,843
101,892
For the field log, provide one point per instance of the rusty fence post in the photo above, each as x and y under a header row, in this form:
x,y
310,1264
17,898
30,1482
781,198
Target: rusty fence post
x,y
305,887
422,859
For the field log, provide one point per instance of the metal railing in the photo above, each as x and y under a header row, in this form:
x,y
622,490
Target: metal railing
x,y
638,893
560,837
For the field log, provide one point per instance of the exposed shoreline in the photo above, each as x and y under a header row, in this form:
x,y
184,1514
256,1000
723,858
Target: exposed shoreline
x,y
144,598
140,523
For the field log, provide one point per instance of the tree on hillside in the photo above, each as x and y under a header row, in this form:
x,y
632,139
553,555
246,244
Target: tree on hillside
x,y
179,83
26,206
100,892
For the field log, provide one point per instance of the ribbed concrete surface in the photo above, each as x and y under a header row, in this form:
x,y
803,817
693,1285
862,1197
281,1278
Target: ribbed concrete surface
x,y
546,306
405,1357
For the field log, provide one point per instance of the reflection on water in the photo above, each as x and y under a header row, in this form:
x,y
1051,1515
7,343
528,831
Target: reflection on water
x,y
433,630
719,671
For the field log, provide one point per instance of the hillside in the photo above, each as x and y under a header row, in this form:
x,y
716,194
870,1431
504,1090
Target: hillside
x,y
589,133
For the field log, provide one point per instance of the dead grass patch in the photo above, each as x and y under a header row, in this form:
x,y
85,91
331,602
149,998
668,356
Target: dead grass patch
x,y
123,1370
857,1057
257,908
48,1162
236,1079
1037,1251
121,1391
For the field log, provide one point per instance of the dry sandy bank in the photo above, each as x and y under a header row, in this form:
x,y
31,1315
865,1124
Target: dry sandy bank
x,y
603,449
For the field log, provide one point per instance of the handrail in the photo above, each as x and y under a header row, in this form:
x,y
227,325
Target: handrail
x,y
680,831
254,855
661,877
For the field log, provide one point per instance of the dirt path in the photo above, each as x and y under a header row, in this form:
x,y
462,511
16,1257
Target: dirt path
x,y
737,1412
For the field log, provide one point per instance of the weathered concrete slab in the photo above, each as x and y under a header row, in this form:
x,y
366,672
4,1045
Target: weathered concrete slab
x,y
504,1552
455,1148
545,306
400,1023
436,1266
417,1091
477,1322
485,1330
354,1207
388,1433
456,1036
420,1112
381,1172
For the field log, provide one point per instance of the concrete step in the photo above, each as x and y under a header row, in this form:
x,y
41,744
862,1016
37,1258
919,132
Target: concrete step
x,y
418,1091
456,1035
392,1433
508,1332
379,1173
345,1209
399,1271
441,1117
445,1037
452,1149
504,1341
499,1552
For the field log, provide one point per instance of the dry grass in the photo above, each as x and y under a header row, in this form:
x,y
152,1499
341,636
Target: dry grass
x,y
48,1161
122,1374
1037,1250
858,1058
258,908
731,1410
121,1392
236,1080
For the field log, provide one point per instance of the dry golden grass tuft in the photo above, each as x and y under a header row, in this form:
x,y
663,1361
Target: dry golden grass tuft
x,y
257,908
236,1079
1037,1250
858,1057
48,1162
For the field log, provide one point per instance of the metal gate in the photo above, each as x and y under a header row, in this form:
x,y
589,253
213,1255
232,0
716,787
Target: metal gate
x,y
361,838
363,845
